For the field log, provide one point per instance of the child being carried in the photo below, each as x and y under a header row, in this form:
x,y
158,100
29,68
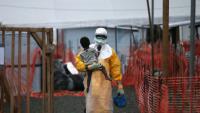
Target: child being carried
x,y
90,58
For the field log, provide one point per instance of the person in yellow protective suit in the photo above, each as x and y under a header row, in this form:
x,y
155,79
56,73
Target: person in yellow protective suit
x,y
99,97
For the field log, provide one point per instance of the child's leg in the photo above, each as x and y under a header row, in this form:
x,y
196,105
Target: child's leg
x,y
103,70
89,80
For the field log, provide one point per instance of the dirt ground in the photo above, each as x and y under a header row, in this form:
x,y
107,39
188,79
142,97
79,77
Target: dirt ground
x,y
70,104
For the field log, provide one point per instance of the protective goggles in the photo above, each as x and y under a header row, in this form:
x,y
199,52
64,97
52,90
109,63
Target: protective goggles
x,y
102,37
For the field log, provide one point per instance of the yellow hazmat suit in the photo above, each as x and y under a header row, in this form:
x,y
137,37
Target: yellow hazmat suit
x,y
99,97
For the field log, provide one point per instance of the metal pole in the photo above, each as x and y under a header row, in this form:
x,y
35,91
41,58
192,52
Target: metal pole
x,y
192,38
148,9
165,36
116,39
152,37
192,47
151,33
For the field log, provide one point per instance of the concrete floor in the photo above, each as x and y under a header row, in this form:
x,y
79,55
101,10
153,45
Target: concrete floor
x,y
69,104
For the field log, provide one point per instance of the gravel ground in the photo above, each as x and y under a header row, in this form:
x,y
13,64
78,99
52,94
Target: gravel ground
x,y
70,104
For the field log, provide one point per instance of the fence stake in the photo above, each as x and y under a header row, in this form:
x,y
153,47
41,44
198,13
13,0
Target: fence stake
x,y
51,72
12,103
48,77
44,71
28,74
165,36
19,73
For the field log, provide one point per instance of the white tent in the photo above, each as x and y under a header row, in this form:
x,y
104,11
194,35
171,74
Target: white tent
x,y
63,13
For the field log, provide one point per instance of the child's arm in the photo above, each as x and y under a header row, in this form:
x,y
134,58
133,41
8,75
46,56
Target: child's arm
x,y
93,66
81,66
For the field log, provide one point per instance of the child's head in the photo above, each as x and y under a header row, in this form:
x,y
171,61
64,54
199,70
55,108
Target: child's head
x,y
85,42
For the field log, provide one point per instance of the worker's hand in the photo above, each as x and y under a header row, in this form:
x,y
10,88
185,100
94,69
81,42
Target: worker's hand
x,y
120,90
94,66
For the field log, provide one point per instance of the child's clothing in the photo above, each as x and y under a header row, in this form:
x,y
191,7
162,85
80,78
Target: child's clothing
x,y
90,57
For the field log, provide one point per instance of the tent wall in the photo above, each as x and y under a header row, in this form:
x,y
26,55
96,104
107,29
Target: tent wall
x,y
58,11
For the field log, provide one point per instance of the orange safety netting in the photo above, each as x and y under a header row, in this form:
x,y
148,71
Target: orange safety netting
x,y
12,76
177,93
68,56
57,94
186,45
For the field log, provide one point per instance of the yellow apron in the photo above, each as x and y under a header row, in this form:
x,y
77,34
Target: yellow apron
x,y
99,97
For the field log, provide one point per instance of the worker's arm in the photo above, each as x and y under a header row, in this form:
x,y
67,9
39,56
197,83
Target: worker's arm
x,y
115,67
79,63
115,71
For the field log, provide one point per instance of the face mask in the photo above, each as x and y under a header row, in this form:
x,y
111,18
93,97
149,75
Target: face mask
x,y
100,40
100,43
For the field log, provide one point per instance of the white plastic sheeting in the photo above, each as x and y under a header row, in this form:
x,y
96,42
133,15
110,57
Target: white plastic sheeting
x,y
81,11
